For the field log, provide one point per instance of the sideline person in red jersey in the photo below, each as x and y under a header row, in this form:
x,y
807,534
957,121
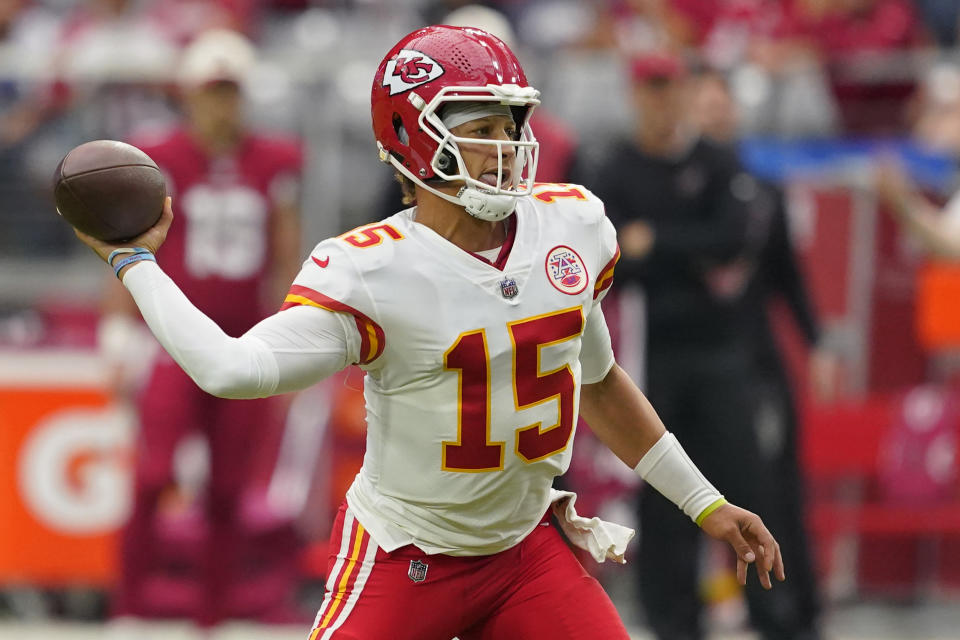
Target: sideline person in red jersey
x,y
476,316
233,249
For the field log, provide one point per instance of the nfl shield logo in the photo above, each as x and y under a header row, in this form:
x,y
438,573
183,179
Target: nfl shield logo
x,y
508,287
418,571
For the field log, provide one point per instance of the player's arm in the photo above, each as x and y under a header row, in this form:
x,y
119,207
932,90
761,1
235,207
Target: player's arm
x,y
624,420
288,351
924,220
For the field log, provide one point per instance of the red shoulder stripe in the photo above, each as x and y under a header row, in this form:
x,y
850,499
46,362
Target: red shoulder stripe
x,y
372,338
605,278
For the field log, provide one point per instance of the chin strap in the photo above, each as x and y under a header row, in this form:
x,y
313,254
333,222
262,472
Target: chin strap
x,y
486,206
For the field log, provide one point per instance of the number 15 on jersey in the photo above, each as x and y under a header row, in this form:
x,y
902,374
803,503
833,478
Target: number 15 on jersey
x,y
469,356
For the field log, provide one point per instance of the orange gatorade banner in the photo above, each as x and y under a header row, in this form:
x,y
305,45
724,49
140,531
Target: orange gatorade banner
x,y
64,451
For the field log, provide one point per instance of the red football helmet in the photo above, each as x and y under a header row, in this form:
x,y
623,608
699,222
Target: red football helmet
x,y
436,66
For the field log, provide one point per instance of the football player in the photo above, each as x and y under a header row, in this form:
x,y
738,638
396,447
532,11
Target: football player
x,y
476,316
236,239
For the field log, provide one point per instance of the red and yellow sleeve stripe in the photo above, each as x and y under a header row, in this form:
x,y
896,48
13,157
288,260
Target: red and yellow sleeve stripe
x,y
606,276
372,339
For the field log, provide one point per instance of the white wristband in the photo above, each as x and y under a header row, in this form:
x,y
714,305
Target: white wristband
x,y
667,468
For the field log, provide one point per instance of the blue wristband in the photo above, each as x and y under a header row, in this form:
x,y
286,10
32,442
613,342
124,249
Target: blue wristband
x,y
136,257
116,252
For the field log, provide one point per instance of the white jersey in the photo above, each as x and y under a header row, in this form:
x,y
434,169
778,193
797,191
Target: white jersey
x,y
473,367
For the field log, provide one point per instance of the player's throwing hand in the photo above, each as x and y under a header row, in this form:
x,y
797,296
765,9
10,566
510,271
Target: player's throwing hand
x,y
150,240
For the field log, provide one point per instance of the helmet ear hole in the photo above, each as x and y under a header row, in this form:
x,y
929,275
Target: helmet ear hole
x,y
400,130
445,160
520,115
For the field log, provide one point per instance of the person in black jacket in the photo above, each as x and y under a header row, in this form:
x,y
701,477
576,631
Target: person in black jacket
x,y
775,274
685,212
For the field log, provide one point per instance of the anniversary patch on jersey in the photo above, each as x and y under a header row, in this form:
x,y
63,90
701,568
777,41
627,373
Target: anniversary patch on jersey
x,y
410,69
417,571
566,271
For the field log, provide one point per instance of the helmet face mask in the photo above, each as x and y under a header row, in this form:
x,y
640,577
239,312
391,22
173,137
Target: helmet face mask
x,y
440,66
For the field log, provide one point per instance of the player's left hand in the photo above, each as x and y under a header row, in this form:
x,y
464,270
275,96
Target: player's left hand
x,y
751,541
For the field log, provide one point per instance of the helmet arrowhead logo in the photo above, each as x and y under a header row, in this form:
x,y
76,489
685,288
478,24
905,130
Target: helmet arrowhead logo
x,y
410,69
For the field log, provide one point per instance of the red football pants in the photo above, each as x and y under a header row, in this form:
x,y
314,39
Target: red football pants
x,y
536,590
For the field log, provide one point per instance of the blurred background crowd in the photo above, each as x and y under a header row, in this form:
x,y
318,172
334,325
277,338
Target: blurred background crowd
x,y
832,117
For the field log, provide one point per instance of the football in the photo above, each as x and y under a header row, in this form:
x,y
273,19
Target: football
x,y
110,190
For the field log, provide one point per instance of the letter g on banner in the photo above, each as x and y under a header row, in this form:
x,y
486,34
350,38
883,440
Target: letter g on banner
x,y
72,475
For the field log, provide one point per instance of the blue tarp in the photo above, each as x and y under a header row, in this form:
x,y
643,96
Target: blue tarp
x,y
779,160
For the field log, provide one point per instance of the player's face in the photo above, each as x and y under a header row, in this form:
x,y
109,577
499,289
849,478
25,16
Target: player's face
x,y
481,159
216,108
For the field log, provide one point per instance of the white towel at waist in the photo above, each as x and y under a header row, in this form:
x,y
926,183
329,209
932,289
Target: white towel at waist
x,y
599,538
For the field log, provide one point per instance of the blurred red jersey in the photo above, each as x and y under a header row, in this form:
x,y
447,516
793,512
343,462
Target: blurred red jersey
x,y
219,247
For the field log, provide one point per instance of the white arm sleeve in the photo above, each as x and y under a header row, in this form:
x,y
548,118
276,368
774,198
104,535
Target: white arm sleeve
x,y
288,351
596,352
